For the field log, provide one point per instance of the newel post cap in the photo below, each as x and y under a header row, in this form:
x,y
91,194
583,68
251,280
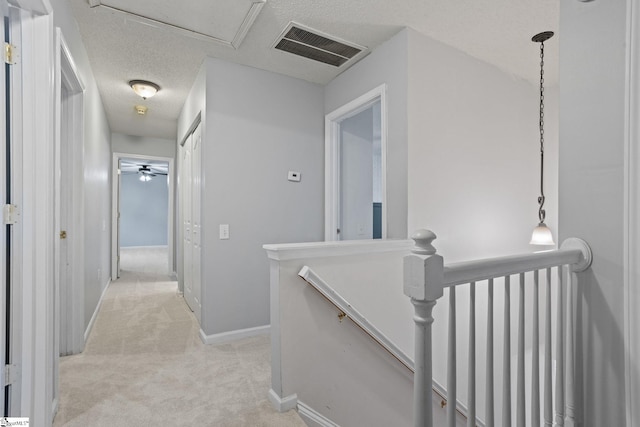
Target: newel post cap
x,y
423,269
423,239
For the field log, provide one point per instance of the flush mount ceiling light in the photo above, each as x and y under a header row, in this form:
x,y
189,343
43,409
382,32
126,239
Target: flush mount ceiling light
x,y
144,88
140,109
541,234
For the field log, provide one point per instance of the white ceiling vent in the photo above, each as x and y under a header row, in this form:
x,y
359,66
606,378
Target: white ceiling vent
x,y
316,45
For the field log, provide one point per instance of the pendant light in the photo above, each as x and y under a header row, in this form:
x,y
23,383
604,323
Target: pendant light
x,y
541,234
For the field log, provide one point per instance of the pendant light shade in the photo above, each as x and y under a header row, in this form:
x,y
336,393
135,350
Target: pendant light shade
x,y
541,234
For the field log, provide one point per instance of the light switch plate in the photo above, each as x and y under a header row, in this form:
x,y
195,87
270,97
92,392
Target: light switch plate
x,y
294,176
224,231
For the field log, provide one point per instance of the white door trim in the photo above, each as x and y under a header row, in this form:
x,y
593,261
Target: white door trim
x,y
332,157
3,196
632,218
115,204
34,142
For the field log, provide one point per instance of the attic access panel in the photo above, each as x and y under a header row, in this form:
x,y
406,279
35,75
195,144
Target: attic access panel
x,y
222,21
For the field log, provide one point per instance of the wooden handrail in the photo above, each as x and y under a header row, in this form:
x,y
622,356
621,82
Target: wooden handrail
x,y
484,269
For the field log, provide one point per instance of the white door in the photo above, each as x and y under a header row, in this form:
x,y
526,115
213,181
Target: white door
x,y
187,221
196,259
64,201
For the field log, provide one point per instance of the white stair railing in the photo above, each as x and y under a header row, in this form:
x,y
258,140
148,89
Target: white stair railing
x,y
426,276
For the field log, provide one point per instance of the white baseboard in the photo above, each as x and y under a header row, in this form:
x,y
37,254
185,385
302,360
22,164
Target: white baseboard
x,y
145,247
234,335
95,312
282,404
313,418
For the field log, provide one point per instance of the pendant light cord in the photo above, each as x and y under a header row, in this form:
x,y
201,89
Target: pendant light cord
x,y
541,199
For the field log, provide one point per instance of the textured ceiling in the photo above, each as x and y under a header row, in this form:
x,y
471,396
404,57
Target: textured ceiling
x,y
121,49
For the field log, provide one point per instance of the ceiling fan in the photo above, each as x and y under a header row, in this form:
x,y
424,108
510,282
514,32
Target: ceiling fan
x,y
146,171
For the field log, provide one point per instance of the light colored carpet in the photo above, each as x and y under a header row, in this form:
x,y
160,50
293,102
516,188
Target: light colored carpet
x,y
144,364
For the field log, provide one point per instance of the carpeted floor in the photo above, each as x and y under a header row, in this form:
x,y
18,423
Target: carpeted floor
x,y
144,364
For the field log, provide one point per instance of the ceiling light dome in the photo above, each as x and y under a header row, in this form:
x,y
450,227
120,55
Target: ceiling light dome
x,y
143,88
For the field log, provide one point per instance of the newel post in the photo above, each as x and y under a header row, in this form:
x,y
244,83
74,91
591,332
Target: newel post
x,y
423,278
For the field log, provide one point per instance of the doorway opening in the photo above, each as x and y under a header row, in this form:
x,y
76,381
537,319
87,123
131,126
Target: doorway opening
x,y
143,206
355,175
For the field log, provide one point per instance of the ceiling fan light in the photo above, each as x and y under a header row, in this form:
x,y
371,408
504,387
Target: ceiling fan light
x,y
542,235
143,88
145,178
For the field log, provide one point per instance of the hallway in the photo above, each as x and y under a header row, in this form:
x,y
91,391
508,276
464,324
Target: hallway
x,y
144,363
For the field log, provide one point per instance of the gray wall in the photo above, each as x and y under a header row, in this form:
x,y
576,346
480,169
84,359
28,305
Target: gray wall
x,y
97,165
592,158
259,126
143,145
143,211
386,64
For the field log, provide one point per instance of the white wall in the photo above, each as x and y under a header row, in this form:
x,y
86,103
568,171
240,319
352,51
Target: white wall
x,y
97,161
386,64
592,164
474,153
143,145
259,126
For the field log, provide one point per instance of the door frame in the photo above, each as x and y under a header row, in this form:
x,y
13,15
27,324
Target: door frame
x,y
332,157
69,296
632,218
115,207
33,191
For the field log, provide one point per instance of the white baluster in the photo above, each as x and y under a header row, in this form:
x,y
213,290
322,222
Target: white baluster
x,y
548,361
423,278
471,391
535,358
520,395
559,419
489,411
506,356
570,404
451,361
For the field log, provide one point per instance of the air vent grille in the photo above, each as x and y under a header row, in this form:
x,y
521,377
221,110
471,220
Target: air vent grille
x,y
319,47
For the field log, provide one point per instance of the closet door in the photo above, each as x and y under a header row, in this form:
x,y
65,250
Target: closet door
x,y
187,221
196,223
